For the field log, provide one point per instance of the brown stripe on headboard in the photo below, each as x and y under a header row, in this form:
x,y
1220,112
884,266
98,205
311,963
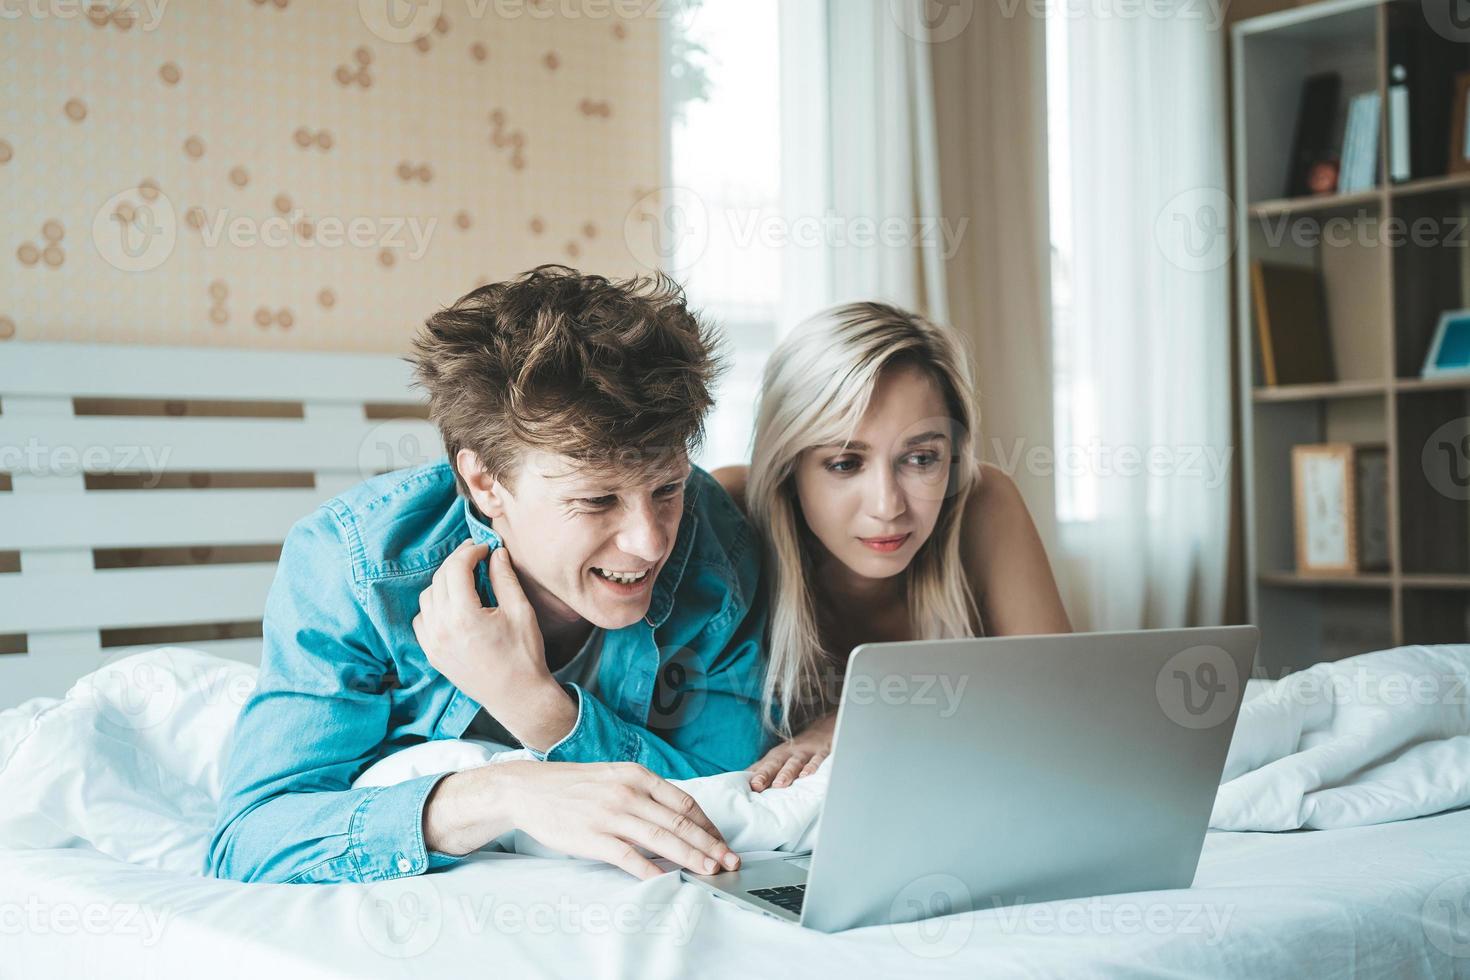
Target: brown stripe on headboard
x,y
208,554
199,480
12,643
375,411
9,562
191,632
187,407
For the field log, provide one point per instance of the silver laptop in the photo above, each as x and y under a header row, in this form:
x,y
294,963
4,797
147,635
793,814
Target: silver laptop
x,y
974,774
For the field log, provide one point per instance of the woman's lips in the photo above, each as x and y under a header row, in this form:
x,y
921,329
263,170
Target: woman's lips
x,y
886,544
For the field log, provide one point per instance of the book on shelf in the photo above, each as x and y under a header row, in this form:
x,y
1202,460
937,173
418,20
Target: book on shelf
x,y
1312,147
1359,169
1291,324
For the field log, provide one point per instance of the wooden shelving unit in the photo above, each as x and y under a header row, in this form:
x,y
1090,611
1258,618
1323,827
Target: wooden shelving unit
x,y
1384,298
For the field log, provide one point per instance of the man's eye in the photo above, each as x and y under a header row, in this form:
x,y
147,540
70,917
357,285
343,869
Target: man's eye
x,y
668,489
599,501
842,465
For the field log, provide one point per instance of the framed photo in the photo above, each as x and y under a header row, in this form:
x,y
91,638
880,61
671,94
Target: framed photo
x,y
1459,131
1322,492
1450,351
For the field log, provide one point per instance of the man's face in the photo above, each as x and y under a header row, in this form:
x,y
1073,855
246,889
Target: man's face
x,y
586,545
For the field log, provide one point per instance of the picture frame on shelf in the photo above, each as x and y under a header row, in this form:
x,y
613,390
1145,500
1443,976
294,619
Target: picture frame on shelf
x,y
1459,162
1339,502
1449,352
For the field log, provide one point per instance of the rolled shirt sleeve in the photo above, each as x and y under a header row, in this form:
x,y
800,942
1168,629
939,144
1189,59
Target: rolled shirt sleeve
x,y
317,718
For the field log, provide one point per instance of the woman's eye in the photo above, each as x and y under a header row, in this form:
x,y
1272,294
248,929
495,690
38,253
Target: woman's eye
x,y
842,465
923,460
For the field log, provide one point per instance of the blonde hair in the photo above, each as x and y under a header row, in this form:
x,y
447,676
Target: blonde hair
x,y
817,386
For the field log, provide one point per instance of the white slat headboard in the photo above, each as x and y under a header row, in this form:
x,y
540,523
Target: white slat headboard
x,y
59,607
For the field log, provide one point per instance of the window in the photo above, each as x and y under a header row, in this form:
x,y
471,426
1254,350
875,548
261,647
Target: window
x,y
1073,393
724,172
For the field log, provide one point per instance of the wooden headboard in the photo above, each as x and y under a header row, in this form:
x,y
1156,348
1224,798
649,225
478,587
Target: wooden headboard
x,y
145,491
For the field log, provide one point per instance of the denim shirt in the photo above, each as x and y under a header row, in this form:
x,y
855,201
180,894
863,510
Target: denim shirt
x,y
343,681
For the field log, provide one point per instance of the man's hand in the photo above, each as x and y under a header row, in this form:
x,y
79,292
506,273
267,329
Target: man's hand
x,y
799,757
496,656
604,811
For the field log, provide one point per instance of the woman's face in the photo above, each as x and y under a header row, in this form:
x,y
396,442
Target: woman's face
x,y
873,502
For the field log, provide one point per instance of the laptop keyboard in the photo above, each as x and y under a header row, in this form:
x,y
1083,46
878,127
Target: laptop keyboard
x,y
788,897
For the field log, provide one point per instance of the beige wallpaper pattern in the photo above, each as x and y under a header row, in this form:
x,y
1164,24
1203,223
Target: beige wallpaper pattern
x,y
277,174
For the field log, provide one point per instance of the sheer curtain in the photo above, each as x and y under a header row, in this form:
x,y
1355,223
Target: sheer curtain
x,y
859,160
1141,345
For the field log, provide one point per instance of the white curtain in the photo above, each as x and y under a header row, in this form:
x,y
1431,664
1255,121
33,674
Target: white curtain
x,y
858,107
1143,472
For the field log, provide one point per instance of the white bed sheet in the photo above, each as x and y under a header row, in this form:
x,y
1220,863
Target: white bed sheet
x,y
106,801
1391,900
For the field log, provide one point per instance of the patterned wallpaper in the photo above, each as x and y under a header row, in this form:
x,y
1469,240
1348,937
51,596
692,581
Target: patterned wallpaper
x,y
311,174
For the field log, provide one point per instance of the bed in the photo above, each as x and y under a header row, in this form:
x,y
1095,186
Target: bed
x,y
98,870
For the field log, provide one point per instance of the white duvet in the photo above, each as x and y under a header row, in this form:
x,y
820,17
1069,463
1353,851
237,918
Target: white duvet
x,y
107,801
128,763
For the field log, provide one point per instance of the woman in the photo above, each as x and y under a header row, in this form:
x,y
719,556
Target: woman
x,y
880,523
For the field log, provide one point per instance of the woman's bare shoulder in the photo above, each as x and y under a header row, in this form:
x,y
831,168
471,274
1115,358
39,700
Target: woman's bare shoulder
x,y
733,479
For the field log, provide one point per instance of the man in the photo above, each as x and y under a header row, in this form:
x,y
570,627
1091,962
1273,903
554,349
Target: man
x,y
616,632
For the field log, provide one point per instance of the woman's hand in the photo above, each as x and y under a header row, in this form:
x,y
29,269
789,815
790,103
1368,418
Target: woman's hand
x,y
799,757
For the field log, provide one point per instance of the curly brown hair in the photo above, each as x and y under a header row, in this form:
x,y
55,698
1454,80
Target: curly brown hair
x,y
613,374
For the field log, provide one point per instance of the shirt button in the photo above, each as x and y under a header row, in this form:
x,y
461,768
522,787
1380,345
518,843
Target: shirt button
x,y
404,864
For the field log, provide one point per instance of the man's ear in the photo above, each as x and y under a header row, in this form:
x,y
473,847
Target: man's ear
x,y
487,493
